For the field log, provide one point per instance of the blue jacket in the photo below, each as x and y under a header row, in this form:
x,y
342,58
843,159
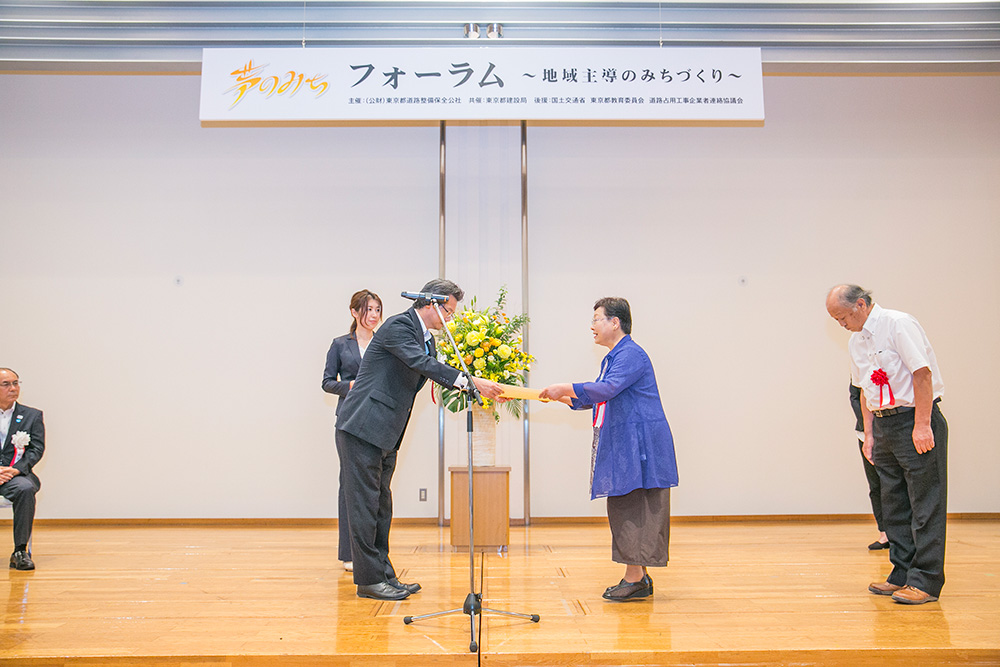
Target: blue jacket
x,y
636,448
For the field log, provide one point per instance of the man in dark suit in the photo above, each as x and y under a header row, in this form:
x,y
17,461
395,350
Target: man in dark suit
x,y
22,432
371,423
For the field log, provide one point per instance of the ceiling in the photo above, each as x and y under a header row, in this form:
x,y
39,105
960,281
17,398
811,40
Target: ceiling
x,y
818,36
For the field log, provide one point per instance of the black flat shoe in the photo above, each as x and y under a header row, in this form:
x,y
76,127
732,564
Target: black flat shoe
x,y
875,546
626,591
382,591
410,588
20,560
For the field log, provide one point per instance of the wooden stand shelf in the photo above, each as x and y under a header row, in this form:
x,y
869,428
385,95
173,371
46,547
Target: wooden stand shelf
x,y
491,505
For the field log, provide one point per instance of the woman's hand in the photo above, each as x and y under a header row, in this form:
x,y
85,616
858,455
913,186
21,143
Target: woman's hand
x,y
558,392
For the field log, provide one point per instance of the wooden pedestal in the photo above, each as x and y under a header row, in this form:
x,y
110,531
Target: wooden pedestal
x,y
491,505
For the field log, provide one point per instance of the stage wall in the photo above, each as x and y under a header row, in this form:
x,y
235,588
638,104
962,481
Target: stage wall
x,y
171,290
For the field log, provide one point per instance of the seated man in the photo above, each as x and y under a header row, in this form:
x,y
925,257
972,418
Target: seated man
x,y
22,433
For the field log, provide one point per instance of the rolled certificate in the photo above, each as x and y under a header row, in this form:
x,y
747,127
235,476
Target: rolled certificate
x,y
510,391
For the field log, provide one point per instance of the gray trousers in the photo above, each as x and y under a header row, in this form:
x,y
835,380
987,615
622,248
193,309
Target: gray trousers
x,y
20,491
367,477
914,499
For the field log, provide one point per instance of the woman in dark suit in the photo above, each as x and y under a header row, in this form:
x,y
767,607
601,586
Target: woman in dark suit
x,y
342,363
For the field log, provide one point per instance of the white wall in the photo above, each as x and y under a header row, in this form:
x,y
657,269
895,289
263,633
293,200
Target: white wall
x,y
202,399
893,183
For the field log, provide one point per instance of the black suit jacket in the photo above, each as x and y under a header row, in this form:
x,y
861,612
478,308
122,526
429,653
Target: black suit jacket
x,y
342,363
395,367
856,404
30,421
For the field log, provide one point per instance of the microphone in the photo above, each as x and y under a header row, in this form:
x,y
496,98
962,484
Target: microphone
x,y
426,296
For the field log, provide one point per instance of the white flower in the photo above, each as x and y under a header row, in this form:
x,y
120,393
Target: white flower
x,y
20,439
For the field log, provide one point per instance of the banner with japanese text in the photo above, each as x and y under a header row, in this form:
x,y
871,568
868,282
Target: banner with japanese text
x,y
482,83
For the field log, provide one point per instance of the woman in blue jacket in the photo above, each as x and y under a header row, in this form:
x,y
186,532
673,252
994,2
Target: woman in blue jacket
x,y
632,459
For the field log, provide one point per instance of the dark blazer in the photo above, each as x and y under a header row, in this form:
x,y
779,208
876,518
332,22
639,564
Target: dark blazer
x,y
342,361
30,421
856,404
394,369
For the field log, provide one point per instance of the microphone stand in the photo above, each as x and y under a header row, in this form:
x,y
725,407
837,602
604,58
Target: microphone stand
x,y
473,605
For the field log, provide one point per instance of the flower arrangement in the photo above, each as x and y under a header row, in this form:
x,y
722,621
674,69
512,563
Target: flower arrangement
x,y
490,343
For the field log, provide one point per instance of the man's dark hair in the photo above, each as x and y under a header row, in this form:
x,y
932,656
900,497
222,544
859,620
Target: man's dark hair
x,y
439,286
851,293
615,306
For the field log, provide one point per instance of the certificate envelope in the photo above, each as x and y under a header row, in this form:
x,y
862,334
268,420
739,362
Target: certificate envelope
x,y
510,391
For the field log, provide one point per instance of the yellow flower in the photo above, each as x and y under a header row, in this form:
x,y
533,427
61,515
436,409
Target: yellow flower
x,y
452,325
479,353
504,351
472,338
479,364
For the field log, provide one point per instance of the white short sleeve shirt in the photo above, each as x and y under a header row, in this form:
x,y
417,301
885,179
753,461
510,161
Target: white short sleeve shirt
x,y
894,342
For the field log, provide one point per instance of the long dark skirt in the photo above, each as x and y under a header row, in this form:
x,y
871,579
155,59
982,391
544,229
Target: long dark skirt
x,y
640,527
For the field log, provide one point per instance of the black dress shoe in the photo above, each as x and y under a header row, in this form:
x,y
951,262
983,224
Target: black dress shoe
x,y
646,579
875,546
410,588
382,591
20,560
626,591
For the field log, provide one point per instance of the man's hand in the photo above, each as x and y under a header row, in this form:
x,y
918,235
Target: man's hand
x,y
923,438
868,447
7,473
490,390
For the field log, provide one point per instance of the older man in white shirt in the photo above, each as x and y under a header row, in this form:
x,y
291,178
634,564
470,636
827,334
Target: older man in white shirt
x,y
906,438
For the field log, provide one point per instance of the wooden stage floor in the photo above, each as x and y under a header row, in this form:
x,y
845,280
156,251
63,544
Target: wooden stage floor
x,y
753,593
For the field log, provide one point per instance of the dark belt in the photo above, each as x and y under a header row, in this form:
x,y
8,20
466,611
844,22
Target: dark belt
x,y
895,411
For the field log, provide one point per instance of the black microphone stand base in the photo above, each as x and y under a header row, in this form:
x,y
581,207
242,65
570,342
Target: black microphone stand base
x,y
473,607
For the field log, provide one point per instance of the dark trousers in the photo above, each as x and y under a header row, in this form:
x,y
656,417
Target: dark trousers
x,y
874,488
20,491
343,521
914,499
367,474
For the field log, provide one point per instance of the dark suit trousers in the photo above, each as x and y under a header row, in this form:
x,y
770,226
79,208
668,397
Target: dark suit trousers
x,y
914,499
343,521
367,474
874,488
20,491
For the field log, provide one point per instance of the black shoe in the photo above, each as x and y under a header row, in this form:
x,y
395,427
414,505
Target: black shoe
x,y
875,546
410,588
646,579
625,590
20,560
382,591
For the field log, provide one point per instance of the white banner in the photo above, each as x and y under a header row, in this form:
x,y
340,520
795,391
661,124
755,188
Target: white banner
x,y
499,83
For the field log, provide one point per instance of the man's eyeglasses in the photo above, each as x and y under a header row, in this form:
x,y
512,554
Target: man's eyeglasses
x,y
8,385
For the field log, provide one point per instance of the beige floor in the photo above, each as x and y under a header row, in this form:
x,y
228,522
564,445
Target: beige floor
x,y
735,593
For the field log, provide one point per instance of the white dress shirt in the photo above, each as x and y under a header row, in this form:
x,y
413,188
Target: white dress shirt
x,y
895,342
461,381
5,417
